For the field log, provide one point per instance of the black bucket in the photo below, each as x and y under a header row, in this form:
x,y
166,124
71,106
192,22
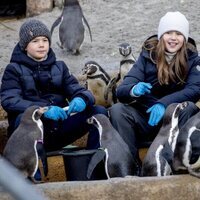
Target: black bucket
x,y
84,165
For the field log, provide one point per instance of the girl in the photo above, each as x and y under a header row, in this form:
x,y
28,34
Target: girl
x,y
167,71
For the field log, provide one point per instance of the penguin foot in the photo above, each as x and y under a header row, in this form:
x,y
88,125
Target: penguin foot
x,y
194,172
138,167
75,52
34,181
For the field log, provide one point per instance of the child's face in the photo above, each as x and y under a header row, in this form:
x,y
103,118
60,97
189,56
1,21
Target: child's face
x,y
38,48
173,41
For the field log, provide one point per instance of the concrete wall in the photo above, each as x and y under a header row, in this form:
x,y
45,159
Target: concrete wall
x,y
179,187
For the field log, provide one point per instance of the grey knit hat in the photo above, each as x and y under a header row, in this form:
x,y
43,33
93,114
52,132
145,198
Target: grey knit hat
x,y
30,30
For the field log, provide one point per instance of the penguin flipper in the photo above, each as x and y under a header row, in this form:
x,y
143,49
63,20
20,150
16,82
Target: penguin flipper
x,y
43,156
59,45
111,85
95,160
56,23
85,21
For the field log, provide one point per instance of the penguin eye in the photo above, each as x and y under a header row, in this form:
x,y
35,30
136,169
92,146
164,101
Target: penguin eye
x,y
36,114
90,120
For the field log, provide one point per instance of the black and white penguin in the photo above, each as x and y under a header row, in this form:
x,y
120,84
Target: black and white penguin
x,y
21,147
158,160
99,83
127,60
71,30
187,150
119,161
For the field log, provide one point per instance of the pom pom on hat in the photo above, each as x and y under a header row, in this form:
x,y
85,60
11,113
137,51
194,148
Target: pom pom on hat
x,y
30,30
173,21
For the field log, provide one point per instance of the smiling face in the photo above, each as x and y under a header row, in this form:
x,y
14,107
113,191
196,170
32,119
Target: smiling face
x,y
173,41
38,48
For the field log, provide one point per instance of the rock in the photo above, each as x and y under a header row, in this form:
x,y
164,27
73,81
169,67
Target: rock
x,y
3,134
38,6
3,114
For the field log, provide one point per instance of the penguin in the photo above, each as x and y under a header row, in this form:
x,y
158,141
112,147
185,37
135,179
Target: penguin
x,y
187,150
127,60
119,161
158,160
21,147
99,83
71,30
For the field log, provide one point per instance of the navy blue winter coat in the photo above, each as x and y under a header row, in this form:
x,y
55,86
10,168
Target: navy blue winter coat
x,y
145,70
27,82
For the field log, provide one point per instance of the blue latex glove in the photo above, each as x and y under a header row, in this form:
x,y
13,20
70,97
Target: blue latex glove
x,y
157,111
55,113
76,105
141,88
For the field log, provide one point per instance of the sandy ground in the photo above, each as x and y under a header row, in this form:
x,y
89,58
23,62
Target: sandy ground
x,y
112,22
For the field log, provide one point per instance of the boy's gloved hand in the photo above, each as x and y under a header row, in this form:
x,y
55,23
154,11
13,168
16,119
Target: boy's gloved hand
x,y
76,105
55,113
141,88
157,111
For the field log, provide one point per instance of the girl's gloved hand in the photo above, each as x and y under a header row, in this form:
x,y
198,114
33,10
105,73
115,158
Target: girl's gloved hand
x,y
55,113
157,112
141,88
76,105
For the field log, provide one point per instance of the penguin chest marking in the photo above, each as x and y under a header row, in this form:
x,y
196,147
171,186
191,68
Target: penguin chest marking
x,y
173,132
39,125
187,153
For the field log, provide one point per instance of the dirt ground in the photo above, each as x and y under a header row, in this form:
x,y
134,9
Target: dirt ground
x,y
112,22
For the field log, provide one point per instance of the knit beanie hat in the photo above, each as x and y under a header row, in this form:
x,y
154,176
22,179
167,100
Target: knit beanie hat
x,y
30,30
173,21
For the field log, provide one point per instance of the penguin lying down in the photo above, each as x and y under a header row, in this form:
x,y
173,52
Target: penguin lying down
x,y
158,160
118,158
21,148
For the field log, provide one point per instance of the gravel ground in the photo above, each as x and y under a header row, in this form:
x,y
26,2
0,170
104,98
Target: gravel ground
x,y
112,22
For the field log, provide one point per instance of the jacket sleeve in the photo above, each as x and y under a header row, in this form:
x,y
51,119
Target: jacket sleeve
x,y
73,89
191,91
135,75
11,91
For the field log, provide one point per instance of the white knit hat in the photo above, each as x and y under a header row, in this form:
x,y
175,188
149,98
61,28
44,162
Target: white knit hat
x,y
173,21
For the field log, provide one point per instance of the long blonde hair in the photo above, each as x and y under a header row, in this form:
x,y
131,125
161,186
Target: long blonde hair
x,y
177,70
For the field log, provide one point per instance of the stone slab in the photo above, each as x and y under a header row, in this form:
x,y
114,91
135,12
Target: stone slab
x,y
177,187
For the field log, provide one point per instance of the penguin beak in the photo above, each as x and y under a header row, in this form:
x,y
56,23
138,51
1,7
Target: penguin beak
x,y
38,112
84,70
42,110
90,120
185,104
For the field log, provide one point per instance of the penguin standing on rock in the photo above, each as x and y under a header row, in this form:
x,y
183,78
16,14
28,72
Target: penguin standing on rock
x,y
99,83
21,150
119,161
158,160
187,151
71,30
